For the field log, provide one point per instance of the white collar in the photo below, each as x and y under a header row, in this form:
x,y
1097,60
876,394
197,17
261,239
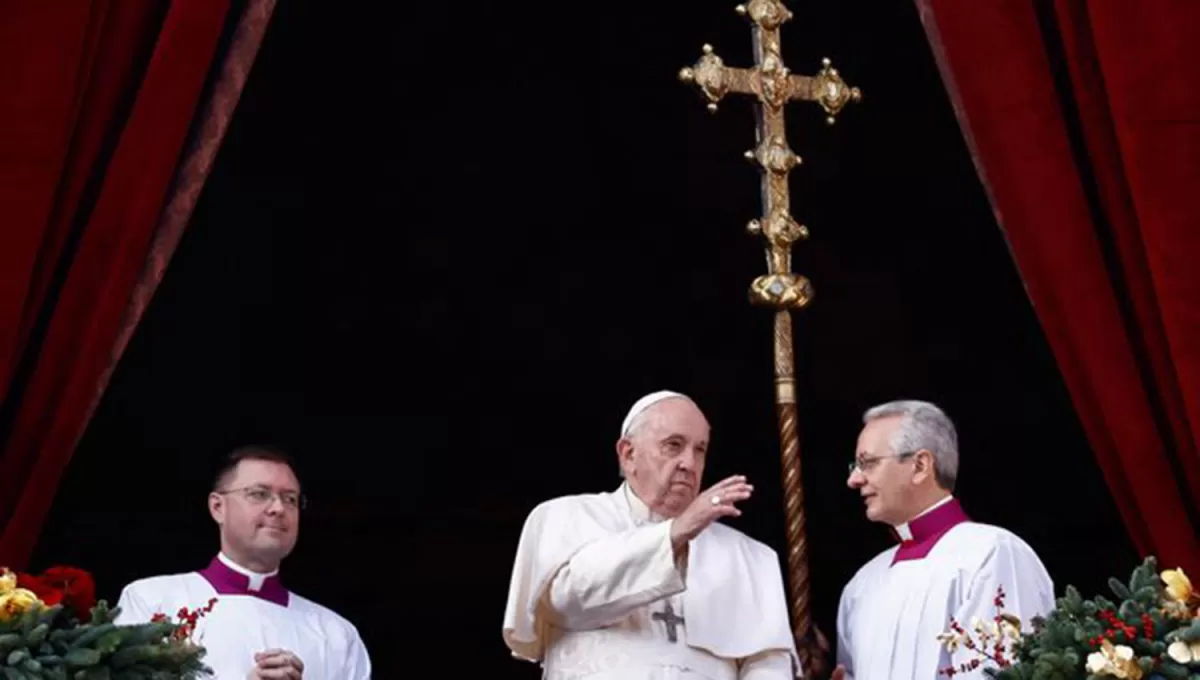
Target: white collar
x,y
256,578
905,531
638,508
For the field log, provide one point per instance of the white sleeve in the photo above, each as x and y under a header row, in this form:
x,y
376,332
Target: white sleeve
x,y
1011,565
844,658
358,661
134,608
607,579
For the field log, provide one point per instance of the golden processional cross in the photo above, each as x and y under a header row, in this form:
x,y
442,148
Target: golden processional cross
x,y
780,289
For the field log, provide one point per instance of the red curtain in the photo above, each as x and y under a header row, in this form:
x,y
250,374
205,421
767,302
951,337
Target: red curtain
x,y
1083,117
97,180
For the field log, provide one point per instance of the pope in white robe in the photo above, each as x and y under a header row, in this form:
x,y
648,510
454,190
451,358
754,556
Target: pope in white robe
x,y
255,629
643,583
945,567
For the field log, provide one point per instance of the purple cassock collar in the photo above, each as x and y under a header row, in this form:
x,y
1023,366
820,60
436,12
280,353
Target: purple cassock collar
x,y
229,579
919,536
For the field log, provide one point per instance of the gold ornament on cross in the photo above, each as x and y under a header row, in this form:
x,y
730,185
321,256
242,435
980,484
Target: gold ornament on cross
x,y
774,86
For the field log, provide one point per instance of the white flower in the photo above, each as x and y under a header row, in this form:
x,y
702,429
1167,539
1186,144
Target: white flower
x,y
951,640
1096,663
1116,661
988,630
1184,653
1180,652
1011,629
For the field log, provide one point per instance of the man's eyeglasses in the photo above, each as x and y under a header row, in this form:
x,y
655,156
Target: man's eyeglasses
x,y
865,464
261,495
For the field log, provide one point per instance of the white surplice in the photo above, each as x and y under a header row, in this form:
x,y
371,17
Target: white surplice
x,y
592,580
892,611
239,626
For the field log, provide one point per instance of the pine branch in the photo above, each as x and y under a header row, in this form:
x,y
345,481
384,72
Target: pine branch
x,y
1130,636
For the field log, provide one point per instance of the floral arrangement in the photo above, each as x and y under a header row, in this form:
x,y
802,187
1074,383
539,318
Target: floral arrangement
x,y
995,641
53,628
1152,634
187,620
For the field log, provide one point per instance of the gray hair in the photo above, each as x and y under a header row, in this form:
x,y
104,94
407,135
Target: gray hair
x,y
638,422
635,427
923,426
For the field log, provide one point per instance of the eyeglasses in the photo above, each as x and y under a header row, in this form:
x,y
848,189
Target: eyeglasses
x,y
867,463
261,495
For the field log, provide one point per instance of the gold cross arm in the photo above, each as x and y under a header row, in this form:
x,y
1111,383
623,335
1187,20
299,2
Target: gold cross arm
x,y
771,83
770,80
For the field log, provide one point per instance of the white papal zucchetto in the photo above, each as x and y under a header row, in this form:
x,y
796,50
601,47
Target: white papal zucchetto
x,y
645,403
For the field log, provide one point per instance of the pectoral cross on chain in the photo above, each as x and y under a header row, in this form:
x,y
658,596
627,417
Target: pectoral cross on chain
x,y
669,618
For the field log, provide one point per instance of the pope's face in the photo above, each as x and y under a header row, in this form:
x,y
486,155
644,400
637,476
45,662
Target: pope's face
x,y
884,481
663,459
258,511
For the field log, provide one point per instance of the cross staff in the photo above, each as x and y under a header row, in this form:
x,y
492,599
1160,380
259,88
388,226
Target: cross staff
x,y
780,289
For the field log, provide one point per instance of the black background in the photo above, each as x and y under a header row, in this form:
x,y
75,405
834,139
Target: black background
x,y
446,245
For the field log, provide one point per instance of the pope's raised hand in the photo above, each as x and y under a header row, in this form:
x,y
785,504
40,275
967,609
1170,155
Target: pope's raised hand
x,y
715,502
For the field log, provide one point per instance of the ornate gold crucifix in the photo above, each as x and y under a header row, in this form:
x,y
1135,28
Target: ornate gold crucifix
x,y
780,289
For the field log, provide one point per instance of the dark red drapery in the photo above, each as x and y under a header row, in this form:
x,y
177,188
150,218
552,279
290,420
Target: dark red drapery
x,y
96,184
1083,118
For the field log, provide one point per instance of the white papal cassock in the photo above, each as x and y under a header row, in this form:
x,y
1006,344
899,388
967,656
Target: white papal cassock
x,y
253,613
596,593
946,566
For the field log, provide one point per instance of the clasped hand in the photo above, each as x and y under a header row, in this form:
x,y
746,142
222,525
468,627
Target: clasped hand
x,y
276,664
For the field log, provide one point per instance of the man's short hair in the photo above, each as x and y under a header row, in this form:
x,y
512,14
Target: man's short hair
x,y
923,425
265,452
